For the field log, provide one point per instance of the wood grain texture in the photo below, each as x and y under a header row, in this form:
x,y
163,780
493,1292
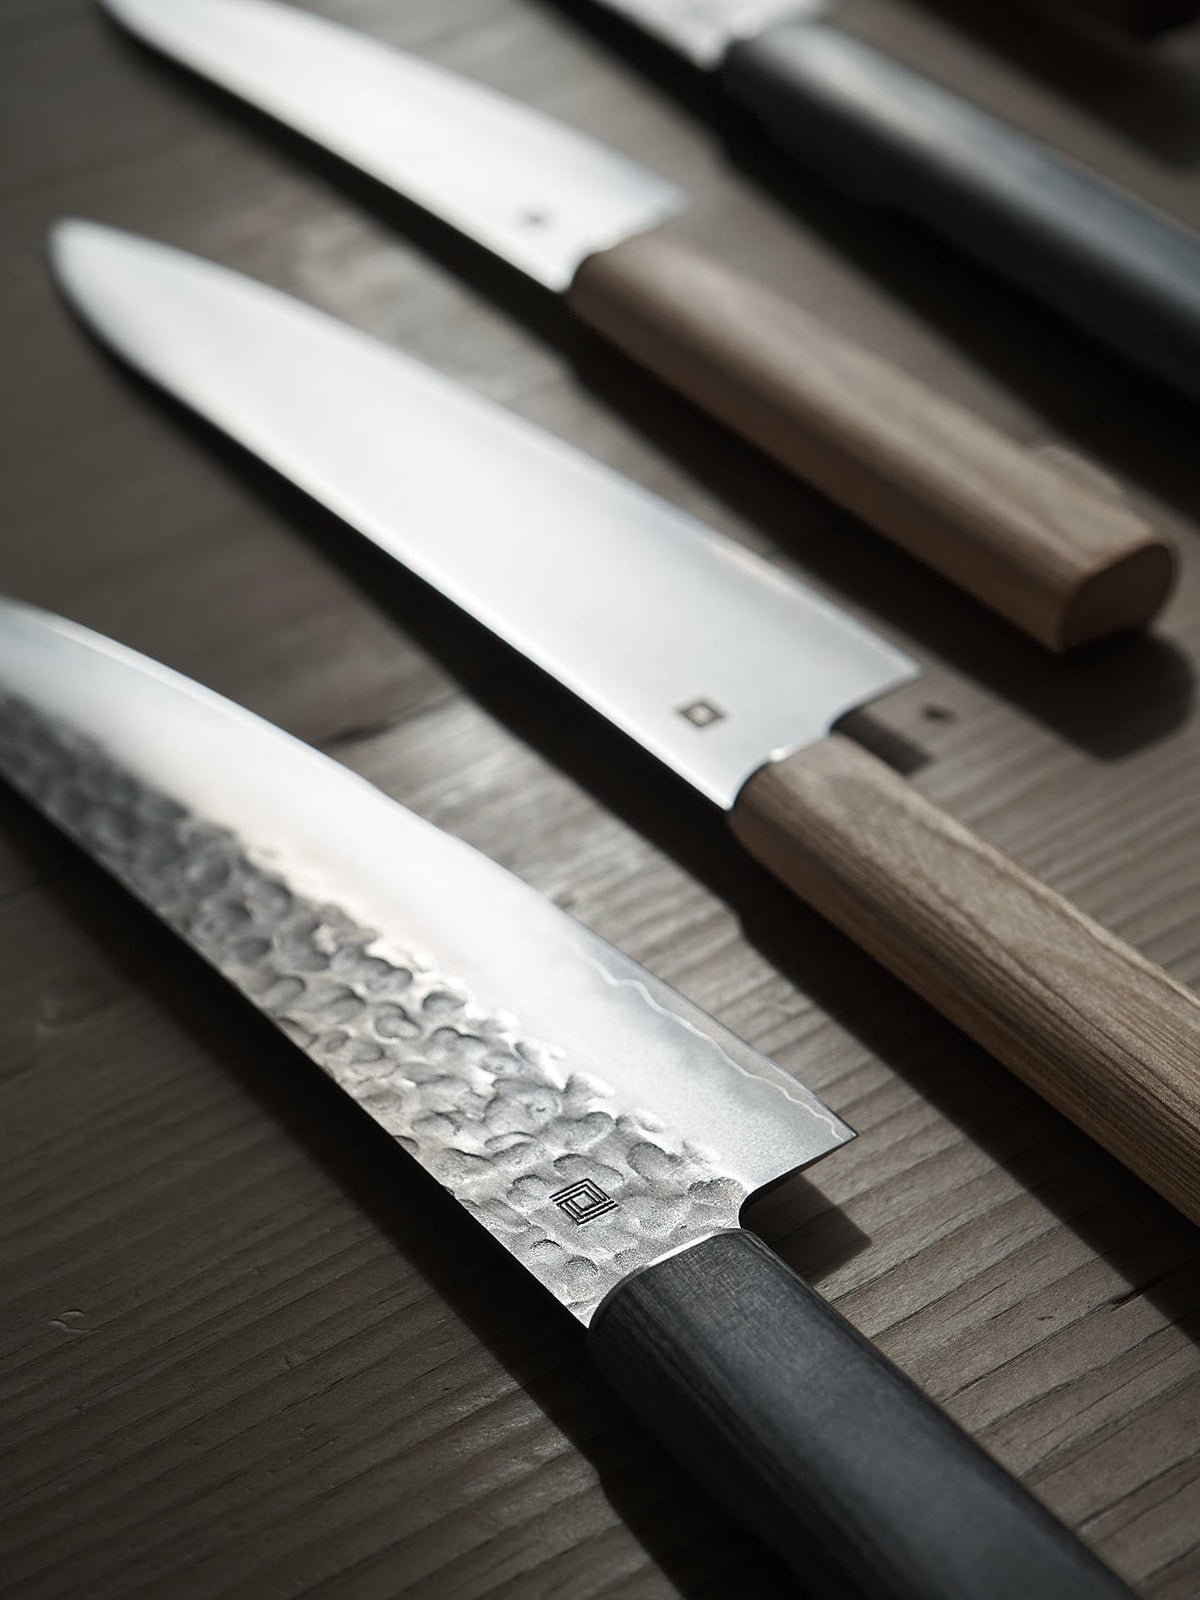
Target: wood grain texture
x,y
294,1372
1051,551
840,1464
1110,1039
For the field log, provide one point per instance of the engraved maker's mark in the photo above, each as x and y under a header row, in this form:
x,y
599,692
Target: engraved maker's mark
x,y
584,1201
702,713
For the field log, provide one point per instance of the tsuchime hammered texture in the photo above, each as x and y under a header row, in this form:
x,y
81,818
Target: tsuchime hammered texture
x,y
498,1118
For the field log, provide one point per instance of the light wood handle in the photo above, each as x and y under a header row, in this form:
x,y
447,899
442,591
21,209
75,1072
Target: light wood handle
x,y
1107,1037
1063,560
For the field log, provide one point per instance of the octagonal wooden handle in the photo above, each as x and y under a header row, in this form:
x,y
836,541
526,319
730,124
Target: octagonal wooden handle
x,y
808,1434
1107,1037
1062,558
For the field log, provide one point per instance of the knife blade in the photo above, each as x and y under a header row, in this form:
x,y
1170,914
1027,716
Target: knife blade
x,y
1057,556
723,666
601,1128
1127,275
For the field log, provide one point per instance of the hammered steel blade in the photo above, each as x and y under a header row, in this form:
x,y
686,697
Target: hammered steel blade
x,y
588,1116
537,193
710,657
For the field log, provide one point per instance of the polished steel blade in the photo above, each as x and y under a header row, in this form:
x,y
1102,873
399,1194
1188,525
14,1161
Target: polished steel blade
x,y
703,30
587,1115
537,193
707,655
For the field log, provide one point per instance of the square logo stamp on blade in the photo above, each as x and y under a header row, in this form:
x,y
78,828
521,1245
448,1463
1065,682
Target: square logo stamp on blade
x,y
583,1201
702,713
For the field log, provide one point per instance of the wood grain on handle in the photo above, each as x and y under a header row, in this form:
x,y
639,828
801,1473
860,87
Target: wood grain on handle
x,y
1057,557
1107,1037
811,1436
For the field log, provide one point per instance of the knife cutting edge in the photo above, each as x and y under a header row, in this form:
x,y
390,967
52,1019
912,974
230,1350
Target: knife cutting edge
x,y
723,666
600,1127
1055,554
1127,275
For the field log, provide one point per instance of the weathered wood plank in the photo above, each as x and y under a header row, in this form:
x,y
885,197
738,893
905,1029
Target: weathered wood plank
x,y
244,1350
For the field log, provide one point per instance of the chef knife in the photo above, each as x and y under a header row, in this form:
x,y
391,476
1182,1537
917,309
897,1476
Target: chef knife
x,y
720,664
601,1129
1126,274
1055,554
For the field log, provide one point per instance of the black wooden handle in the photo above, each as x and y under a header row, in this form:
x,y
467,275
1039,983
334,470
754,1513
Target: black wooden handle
x,y
1125,274
798,1424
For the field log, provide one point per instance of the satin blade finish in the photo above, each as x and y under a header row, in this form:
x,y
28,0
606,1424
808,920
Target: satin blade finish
x,y
539,194
587,1115
703,30
710,657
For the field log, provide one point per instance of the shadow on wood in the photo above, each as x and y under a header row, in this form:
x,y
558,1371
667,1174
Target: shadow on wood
x,y
1148,93
535,1340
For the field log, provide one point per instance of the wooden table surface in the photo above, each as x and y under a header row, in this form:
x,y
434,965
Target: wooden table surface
x,y
246,1350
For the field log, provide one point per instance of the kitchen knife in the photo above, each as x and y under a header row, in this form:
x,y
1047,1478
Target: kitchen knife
x,y
1128,275
1055,554
717,662
600,1127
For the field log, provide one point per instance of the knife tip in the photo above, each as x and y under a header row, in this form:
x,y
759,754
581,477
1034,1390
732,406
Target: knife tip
x,y
75,245
116,9
64,236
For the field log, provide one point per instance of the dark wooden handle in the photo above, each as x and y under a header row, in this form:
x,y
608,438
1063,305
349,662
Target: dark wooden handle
x,y
795,1421
1107,1037
1122,272
1055,555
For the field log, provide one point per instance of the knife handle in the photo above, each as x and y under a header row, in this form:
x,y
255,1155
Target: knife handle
x,y
1124,273
1062,559
798,1424
1100,1032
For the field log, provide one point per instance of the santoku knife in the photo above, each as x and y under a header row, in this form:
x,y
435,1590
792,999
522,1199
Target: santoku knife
x,y
602,1129
1126,274
1060,557
720,664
